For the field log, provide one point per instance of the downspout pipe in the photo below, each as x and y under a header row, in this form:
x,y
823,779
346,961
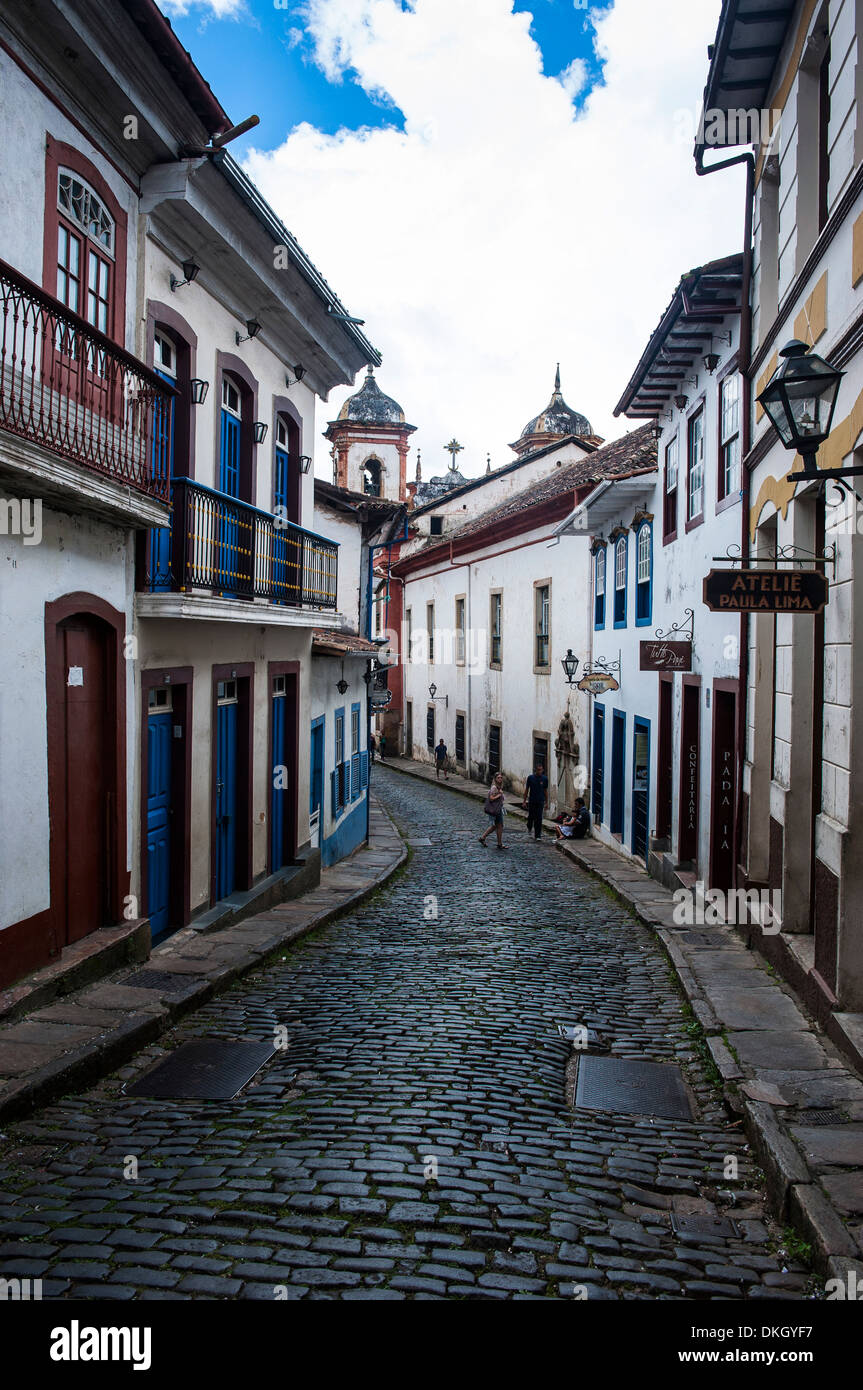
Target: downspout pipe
x,y
746,441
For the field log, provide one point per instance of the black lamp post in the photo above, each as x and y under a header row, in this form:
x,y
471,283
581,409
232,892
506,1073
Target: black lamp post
x,y
800,399
570,666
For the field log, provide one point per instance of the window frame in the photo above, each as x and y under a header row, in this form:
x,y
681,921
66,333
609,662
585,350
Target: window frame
x,y
725,498
430,631
542,625
495,621
697,418
671,496
600,597
461,630
620,621
644,587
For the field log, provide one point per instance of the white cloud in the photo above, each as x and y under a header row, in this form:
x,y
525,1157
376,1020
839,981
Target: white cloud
x,y
573,79
501,231
218,9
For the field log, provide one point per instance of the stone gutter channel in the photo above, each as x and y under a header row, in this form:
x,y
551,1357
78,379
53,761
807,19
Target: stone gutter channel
x,y
801,1104
83,1036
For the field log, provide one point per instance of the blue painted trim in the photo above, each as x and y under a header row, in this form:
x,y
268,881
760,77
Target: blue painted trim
x,y
647,620
618,718
348,834
622,621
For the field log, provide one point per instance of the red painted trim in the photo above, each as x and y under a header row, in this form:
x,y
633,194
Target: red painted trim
x,y
163,317
58,154
118,876
282,406
291,669
182,678
229,362
27,946
244,674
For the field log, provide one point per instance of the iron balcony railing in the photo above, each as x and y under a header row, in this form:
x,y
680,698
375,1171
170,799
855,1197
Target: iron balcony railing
x,y
226,546
67,387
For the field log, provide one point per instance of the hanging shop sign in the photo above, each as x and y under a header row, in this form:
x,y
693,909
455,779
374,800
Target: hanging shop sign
x,y
379,699
666,656
598,683
765,591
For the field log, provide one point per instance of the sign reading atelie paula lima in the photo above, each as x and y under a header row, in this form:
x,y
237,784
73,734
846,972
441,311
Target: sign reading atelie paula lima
x,y
765,591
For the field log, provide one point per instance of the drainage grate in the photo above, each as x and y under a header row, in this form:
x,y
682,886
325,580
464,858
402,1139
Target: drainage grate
x,y
204,1071
168,980
632,1088
823,1117
700,1224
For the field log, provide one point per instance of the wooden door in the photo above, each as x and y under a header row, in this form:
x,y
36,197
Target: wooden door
x,y
88,773
159,735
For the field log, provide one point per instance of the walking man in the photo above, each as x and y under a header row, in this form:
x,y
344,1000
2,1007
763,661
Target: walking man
x,y
440,761
382,746
535,793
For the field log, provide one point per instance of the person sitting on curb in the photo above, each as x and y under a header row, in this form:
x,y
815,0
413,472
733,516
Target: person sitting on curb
x,y
576,826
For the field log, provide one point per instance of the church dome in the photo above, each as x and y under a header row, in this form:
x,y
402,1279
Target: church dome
x,y
558,418
371,407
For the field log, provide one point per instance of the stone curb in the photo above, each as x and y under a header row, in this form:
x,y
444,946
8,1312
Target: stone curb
x,y
793,1191
95,1058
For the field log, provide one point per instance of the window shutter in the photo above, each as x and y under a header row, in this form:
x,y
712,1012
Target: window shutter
x,y
364,771
355,776
334,783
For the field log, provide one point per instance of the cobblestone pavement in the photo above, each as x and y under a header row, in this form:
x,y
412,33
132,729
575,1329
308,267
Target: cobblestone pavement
x,y
416,1045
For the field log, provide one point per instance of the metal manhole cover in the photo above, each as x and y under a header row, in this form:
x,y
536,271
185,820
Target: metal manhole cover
x,y
632,1088
168,980
204,1071
703,1225
823,1117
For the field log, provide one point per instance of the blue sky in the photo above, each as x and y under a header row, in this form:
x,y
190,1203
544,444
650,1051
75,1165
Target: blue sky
x,y
259,61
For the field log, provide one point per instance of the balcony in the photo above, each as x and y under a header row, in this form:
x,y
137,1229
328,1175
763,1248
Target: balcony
x,y
220,549
84,413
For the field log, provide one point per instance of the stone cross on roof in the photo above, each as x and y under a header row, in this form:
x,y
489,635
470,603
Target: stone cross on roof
x,y
452,449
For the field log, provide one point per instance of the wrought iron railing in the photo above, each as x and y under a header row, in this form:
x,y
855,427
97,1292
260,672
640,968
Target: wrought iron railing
x,y
66,386
226,546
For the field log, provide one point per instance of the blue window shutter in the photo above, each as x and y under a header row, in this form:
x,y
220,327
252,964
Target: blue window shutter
x,y
355,776
334,781
364,771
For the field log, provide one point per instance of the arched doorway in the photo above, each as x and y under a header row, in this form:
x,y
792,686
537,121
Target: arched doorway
x,y
86,782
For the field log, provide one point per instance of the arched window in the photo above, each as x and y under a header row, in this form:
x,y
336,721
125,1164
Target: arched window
x,y
620,582
599,561
644,574
85,251
372,471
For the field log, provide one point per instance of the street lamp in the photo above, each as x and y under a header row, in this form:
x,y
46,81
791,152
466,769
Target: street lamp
x,y
570,666
800,399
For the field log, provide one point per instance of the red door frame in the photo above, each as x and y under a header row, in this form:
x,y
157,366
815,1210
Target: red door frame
x,y
118,875
688,839
243,672
731,687
177,678
665,756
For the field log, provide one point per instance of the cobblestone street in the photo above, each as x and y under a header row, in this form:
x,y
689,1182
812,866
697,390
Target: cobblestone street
x,y
415,1139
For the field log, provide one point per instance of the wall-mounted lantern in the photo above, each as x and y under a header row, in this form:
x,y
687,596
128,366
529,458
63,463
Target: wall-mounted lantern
x,y
253,328
260,428
570,666
199,390
191,270
800,399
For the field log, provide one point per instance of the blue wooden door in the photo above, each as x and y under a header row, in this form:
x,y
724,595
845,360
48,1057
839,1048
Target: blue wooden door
x,y
598,802
226,800
280,791
158,821
163,463
316,782
618,767
227,560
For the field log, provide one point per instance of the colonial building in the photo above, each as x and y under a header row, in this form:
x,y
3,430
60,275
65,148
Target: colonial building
x,y
165,338
490,610
664,743
800,812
